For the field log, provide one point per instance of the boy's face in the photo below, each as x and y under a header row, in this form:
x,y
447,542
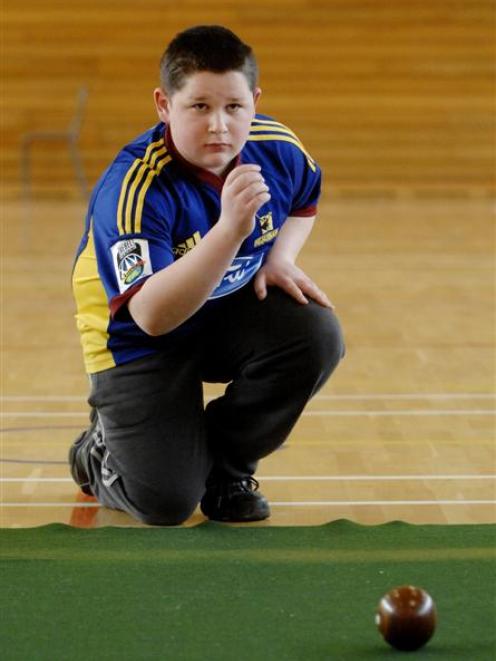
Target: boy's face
x,y
209,117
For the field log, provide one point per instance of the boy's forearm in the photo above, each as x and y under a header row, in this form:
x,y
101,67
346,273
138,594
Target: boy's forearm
x,y
291,238
172,295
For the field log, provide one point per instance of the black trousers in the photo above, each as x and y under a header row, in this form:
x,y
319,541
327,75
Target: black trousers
x,y
155,443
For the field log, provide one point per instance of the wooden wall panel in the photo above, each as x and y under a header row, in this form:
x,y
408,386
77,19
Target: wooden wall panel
x,y
386,94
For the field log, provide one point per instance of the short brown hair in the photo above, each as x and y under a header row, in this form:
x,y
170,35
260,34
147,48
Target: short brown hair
x,y
205,48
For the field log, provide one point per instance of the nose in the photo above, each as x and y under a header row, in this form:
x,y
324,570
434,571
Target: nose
x,y
217,123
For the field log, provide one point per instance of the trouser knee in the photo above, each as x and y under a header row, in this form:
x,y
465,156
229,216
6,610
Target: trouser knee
x,y
324,345
168,509
166,515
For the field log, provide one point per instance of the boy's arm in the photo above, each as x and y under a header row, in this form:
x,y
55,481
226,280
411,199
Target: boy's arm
x,y
280,268
175,293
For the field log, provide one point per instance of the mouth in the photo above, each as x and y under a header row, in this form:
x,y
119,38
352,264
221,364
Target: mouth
x,y
217,146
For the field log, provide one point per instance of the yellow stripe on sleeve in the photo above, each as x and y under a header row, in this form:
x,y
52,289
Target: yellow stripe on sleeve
x,y
285,138
120,216
267,125
141,197
145,167
124,220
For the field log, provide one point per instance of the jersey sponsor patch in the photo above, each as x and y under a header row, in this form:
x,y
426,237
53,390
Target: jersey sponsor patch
x,y
131,259
238,274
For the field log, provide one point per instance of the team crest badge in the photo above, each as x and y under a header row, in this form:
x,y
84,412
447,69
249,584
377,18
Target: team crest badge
x,y
267,228
266,224
131,261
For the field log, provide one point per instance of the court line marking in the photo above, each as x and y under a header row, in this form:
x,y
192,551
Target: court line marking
x,y
406,396
29,486
305,503
321,503
302,478
344,397
401,412
375,478
328,412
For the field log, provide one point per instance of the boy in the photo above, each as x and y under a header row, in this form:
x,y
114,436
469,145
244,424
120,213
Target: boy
x,y
186,274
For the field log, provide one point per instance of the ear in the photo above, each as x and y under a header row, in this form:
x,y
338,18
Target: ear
x,y
257,93
162,104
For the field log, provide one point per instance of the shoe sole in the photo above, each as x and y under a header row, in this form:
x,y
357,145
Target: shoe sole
x,y
245,517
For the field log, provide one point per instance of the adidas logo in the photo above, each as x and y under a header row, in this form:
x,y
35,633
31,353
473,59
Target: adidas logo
x,y
188,244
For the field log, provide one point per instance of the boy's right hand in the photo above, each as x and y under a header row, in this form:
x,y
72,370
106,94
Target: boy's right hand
x,y
243,193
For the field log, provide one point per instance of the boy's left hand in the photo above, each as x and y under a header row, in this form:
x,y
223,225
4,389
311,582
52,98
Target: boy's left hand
x,y
292,280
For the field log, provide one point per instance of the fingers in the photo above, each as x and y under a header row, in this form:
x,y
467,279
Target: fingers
x,y
310,289
260,285
243,193
241,170
255,195
241,178
247,184
301,291
291,288
294,282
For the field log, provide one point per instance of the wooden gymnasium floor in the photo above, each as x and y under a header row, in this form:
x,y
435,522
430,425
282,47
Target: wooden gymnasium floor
x,y
404,430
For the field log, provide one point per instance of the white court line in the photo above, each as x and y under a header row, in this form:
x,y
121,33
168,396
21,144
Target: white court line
x,y
301,478
372,478
36,479
401,412
305,503
29,485
328,412
43,398
339,503
344,397
44,414
406,396
50,505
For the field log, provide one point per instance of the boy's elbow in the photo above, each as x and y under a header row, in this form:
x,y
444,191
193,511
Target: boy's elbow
x,y
151,329
145,321
151,324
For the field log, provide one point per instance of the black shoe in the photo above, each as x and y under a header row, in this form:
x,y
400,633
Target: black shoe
x,y
235,500
77,452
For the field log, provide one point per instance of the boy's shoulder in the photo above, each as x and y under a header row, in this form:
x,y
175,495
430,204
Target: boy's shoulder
x,y
133,168
149,148
272,138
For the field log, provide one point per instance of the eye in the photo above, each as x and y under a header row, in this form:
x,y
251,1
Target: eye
x,y
199,106
233,107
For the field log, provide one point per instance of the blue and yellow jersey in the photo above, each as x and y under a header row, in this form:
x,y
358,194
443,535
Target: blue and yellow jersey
x,y
150,207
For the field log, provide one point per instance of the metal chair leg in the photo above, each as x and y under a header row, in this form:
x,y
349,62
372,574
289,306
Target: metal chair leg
x,y
79,169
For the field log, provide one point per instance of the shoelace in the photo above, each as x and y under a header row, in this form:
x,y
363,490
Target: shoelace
x,y
250,484
225,488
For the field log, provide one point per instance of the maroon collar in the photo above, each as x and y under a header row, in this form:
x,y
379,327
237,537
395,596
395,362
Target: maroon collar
x,y
200,173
